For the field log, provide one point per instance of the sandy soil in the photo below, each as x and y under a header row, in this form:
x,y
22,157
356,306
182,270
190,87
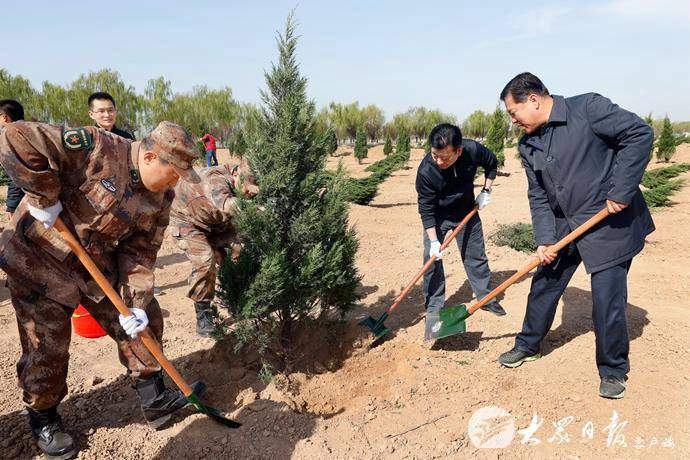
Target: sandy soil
x,y
405,398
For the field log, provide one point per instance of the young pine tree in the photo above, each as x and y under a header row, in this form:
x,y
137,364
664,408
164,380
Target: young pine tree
x,y
361,149
297,265
402,145
388,146
331,141
495,137
666,145
239,144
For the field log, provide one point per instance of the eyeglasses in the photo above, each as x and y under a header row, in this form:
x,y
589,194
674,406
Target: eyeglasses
x,y
103,111
443,157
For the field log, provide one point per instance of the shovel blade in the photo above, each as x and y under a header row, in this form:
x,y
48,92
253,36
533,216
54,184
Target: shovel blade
x,y
376,326
211,412
446,322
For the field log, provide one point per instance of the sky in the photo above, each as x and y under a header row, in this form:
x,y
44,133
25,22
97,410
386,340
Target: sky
x,y
455,56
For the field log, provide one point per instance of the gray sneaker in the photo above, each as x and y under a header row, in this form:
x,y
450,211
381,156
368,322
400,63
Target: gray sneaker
x,y
515,358
612,387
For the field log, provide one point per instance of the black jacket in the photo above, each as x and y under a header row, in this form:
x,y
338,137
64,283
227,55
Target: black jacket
x,y
121,132
590,150
449,194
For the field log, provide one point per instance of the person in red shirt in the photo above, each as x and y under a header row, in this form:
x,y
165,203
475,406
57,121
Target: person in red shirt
x,y
210,146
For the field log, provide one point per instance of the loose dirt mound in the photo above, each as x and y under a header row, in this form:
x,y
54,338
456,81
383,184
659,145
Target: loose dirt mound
x,y
403,399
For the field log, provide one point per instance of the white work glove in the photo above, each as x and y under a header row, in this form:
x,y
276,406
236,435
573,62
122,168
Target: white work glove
x,y
435,250
483,199
134,324
47,216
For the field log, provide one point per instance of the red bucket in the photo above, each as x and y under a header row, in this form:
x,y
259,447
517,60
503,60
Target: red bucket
x,y
85,325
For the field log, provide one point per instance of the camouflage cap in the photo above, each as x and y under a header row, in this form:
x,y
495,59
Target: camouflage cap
x,y
174,145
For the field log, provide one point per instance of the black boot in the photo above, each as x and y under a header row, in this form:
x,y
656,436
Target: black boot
x,y
157,401
46,427
204,319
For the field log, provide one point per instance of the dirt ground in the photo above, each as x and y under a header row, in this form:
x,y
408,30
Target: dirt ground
x,y
405,398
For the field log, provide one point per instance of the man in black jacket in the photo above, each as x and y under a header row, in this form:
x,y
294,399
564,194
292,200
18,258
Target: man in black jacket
x,y
103,111
581,154
445,189
10,111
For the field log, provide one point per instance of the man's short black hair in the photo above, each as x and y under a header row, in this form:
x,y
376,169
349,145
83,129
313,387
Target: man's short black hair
x,y
443,135
12,109
522,85
101,95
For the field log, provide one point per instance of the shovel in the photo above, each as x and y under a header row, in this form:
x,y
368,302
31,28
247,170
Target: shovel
x,y
451,320
376,326
145,336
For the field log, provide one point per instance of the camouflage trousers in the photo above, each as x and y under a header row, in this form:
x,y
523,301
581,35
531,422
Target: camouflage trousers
x,y
205,251
45,331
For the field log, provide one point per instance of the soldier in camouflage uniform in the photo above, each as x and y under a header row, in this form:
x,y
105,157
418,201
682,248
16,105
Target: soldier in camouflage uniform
x,y
115,196
201,221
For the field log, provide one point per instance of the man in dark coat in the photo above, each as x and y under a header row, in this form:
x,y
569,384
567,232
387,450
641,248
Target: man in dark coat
x,y
581,154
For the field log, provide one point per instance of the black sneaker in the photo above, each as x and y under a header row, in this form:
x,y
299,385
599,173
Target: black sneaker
x,y
158,402
612,387
204,319
515,358
47,430
495,308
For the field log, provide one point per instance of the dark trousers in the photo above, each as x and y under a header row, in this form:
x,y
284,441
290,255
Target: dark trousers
x,y
470,242
609,300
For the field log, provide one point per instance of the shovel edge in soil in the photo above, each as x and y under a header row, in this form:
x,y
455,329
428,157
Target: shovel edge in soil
x,y
377,326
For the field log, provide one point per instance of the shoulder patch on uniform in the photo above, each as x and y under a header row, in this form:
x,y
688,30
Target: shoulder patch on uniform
x,y
108,185
77,139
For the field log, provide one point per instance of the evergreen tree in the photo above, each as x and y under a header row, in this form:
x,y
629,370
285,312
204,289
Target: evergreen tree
x,y
402,145
666,145
239,144
495,137
388,146
361,149
331,141
297,265
402,141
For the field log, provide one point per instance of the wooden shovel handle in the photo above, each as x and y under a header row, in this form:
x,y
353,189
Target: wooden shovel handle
x,y
450,237
148,341
591,222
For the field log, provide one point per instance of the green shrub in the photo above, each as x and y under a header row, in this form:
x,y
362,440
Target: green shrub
x,y
519,236
660,186
659,176
659,195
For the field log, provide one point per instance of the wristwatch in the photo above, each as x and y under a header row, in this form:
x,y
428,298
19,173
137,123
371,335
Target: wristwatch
x,y
487,190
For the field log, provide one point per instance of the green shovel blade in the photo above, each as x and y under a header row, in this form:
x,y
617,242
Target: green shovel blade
x,y
446,322
211,412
